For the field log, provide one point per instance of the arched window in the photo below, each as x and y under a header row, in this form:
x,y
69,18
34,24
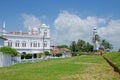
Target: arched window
x,y
23,44
17,43
35,44
10,43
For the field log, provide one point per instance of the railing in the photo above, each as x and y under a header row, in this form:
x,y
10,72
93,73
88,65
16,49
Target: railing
x,y
34,59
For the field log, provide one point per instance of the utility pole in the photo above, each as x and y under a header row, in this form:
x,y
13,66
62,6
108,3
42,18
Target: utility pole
x,y
43,46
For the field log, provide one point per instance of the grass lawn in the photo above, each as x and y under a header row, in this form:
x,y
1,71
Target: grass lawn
x,y
114,57
75,68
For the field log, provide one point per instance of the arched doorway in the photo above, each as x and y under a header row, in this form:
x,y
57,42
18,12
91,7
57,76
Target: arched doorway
x,y
34,55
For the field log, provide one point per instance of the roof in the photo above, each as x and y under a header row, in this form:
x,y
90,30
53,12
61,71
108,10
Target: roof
x,y
18,33
1,37
23,33
55,50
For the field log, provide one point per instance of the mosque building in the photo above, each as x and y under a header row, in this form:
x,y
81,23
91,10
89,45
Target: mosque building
x,y
35,41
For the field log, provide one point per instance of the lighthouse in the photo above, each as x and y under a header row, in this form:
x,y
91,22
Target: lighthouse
x,y
96,40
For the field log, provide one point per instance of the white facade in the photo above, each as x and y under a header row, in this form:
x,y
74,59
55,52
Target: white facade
x,y
35,41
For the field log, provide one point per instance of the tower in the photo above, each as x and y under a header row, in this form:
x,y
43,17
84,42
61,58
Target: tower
x,y
3,28
96,40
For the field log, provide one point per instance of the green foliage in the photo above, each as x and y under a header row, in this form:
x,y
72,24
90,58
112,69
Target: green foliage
x,y
62,46
47,53
76,53
96,38
8,50
107,46
73,46
118,50
26,56
58,55
81,46
89,47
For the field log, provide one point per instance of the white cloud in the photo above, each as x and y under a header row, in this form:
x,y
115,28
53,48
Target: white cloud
x,y
69,27
111,32
31,21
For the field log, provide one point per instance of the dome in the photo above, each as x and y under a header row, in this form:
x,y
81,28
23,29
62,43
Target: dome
x,y
35,29
45,26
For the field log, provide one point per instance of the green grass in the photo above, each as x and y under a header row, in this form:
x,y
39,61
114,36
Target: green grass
x,y
75,68
114,57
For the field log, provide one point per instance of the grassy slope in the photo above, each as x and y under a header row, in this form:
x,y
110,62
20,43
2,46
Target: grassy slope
x,y
76,68
114,57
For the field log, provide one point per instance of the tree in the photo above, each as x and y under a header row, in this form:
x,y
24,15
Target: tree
x,y
81,45
62,46
89,47
96,38
106,45
118,50
73,46
8,50
84,46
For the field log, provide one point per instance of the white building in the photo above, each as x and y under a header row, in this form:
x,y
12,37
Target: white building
x,y
35,41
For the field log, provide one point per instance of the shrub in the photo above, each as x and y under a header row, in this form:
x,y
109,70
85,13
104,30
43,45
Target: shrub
x,y
58,55
8,50
47,53
26,56
40,54
76,53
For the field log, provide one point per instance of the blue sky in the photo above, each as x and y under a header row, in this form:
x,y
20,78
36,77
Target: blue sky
x,y
51,11
11,10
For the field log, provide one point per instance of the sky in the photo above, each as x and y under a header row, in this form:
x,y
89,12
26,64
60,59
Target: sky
x,y
69,20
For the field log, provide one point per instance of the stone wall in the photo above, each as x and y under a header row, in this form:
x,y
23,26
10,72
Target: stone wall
x,y
5,59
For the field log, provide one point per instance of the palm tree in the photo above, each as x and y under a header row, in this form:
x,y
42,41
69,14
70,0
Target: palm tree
x,y
96,38
96,41
106,45
73,46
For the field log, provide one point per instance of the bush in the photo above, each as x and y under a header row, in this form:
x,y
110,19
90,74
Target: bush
x,y
26,56
76,53
58,55
47,53
8,50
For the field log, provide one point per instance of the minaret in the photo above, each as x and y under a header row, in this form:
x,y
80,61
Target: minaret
x,y
3,28
29,31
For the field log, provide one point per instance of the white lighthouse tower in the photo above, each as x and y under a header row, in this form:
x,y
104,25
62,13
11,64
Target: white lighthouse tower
x,y
96,40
